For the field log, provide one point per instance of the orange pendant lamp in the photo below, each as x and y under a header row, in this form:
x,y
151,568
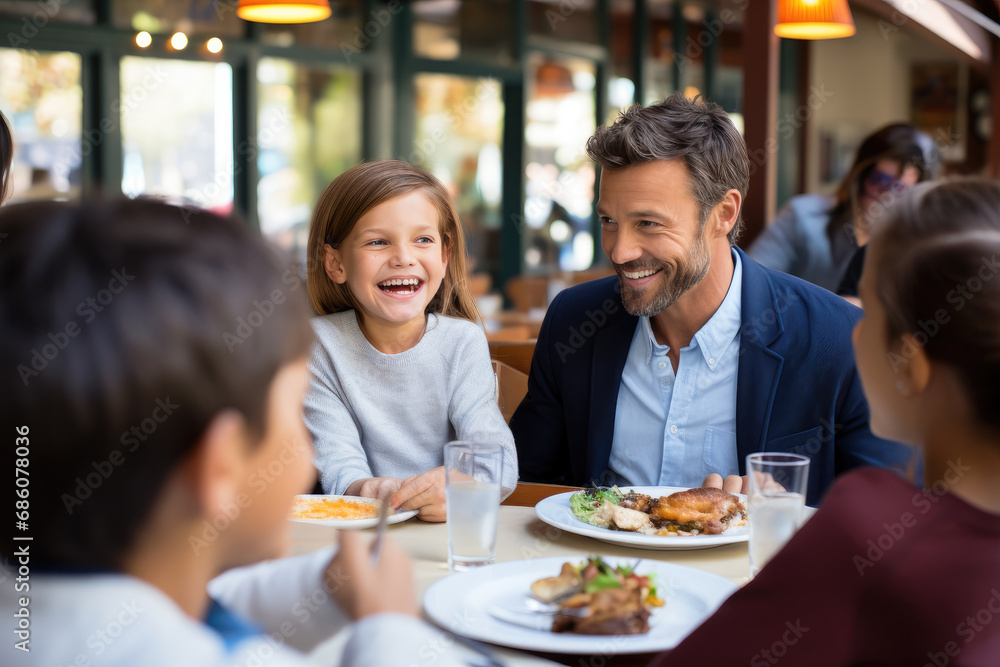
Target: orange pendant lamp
x,y
283,11
814,19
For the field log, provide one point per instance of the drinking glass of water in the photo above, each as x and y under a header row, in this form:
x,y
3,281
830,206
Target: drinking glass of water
x,y
775,503
473,471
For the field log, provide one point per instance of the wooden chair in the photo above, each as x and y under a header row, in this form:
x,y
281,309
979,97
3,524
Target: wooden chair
x,y
527,494
527,292
480,284
516,354
520,332
578,277
512,386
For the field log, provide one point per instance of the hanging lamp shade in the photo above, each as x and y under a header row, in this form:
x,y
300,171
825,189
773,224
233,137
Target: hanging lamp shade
x,y
283,11
814,19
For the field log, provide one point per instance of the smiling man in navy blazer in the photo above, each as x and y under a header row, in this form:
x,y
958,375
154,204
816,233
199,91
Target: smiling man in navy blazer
x,y
694,355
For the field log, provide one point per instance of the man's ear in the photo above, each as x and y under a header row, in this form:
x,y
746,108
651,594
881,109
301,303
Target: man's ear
x,y
726,212
333,265
217,466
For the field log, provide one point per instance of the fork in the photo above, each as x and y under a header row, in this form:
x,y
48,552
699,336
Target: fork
x,y
383,518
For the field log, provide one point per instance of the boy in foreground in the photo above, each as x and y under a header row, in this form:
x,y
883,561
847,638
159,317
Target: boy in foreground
x,y
162,445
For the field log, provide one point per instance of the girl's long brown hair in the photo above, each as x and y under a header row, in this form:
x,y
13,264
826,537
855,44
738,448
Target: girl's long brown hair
x,y
357,191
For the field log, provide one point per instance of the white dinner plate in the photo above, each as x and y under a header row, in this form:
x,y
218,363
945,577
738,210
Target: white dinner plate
x,y
555,511
353,523
463,603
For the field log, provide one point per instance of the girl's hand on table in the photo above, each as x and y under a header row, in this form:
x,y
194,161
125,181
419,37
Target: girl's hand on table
x,y
362,589
423,492
375,487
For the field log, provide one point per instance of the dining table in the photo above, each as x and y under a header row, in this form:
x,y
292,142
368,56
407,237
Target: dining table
x,y
521,535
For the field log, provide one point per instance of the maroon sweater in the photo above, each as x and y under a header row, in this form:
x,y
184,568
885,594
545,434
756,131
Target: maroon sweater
x,y
883,574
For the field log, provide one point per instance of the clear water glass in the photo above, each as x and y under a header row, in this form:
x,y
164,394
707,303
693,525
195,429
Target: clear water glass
x,y
775,502
473,472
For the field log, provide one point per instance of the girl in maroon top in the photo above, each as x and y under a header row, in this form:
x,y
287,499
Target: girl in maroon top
x,y
886,573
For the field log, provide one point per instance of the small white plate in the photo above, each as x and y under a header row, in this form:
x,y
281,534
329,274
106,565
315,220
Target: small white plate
x,y
463,602
357,524
556,511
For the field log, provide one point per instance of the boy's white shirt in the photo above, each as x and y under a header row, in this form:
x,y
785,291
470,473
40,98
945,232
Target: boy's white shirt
x,y
101,620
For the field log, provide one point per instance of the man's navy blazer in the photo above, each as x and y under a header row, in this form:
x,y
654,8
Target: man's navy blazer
x,y
797,385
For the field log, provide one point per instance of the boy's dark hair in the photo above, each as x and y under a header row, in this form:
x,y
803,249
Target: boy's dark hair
x,y
937,271
699,132
126,327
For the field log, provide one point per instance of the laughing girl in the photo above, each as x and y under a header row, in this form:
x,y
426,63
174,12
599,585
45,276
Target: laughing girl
x,y
400,366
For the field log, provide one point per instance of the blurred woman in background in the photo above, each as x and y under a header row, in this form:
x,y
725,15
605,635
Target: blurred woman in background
x,y
6,157
814,237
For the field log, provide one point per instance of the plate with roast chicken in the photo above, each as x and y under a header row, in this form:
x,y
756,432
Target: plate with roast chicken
x,y
650,517
596,606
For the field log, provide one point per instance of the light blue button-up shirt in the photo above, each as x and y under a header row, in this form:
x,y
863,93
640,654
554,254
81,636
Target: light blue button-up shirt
x,y
673,430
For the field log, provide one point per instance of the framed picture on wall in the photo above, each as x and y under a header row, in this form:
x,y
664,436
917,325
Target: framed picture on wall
x,y
937,106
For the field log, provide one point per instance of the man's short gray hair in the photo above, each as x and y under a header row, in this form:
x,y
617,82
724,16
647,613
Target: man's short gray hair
x,y
700,132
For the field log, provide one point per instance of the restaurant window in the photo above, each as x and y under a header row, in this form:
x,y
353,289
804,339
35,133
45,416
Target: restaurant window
x,y
177,144
208,17
348,31
659,60
308,133
563,20
621,83
458,138
39,14
40,94
559,177
452,29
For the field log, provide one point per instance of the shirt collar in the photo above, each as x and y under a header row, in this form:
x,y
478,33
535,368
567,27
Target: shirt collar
x,y
714,338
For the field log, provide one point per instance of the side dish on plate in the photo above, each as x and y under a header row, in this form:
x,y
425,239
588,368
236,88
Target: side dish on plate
x,y
684,513
333,508
595,598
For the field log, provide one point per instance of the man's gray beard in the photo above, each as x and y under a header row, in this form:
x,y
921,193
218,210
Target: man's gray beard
x,y
673,287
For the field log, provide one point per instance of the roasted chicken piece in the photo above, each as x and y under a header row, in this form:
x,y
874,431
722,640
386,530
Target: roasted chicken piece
x,y
710,511
628,519
613,611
